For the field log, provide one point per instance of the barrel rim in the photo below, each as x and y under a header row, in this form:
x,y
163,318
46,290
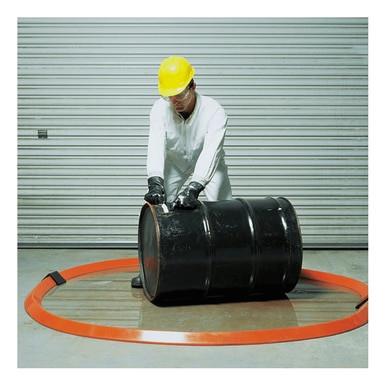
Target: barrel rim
x,y
153,211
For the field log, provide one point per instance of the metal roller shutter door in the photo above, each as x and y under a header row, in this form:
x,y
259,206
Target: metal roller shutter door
x,y
295,91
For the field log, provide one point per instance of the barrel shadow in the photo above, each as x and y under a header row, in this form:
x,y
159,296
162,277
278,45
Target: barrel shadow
x,y
222,299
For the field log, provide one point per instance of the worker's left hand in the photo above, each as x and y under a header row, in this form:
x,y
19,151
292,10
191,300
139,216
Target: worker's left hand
x,y
188,198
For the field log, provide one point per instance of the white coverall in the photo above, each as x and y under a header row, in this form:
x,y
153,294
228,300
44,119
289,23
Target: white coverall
x,y
179,148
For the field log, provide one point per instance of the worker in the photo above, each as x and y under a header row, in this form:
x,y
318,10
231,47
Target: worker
x,y
186,139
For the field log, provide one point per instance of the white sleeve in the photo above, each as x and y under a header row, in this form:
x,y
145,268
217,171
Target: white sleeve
x,y
212,150
156,144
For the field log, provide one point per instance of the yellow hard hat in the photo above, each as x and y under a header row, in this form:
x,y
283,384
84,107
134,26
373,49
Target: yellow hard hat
x,y
174,75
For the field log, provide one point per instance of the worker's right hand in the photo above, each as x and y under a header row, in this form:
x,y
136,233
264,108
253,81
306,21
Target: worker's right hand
x,y
156,193
188,199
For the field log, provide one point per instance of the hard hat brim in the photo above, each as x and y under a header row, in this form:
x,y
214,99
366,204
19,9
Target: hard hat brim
x,y
167,92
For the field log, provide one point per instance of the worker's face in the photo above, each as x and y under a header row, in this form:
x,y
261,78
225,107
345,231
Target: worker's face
x,y
183,101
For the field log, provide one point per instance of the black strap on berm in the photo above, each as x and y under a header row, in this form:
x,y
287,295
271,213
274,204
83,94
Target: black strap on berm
x,y
359,305
57,277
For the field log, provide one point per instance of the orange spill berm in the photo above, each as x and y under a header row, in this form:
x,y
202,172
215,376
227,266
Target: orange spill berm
x,y
34,308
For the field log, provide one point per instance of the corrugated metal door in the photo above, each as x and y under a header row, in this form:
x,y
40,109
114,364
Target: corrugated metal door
x,y
295,91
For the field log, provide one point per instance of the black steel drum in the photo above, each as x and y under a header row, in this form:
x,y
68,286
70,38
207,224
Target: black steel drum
x,y
221,250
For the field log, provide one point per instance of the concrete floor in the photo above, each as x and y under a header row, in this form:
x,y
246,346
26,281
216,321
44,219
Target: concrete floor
x,y
39,346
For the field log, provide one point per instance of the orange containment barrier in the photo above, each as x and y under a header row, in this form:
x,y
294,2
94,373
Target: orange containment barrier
x,y
34,308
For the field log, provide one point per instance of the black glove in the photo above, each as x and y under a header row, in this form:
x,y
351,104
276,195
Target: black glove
x,y
156,193
188,198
